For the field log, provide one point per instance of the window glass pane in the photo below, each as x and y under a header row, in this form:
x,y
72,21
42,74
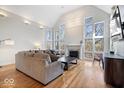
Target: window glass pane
x,y
49,45
49,38
59,38
61,32
89,31
49,35
57,45
88,55
56,35
99,44
89,27
88,21
62,45
99,29
88,44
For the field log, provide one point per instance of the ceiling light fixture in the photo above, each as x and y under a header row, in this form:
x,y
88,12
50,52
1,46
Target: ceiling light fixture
x,y
27,22
41,26
3,14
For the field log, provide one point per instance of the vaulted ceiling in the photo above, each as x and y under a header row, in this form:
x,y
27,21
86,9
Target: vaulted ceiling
x,y
46,14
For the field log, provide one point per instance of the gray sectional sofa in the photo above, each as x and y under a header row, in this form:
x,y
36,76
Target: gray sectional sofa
x,y
38,65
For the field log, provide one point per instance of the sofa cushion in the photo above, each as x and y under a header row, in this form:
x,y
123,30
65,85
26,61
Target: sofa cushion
x,y
30,54
53,57
53,52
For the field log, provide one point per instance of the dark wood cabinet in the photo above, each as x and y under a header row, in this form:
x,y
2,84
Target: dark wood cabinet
x,y
114,70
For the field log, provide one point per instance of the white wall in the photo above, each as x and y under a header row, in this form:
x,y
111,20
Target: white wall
x,y
120,48
24,36
74,24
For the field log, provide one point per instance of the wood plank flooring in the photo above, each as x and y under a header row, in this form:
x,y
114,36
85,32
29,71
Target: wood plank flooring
x,y
83,75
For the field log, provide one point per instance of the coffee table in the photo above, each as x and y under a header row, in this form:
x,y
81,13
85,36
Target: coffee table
x,y
67,60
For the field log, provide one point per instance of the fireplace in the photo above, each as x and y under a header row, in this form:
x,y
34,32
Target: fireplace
x,y
74,53
73,50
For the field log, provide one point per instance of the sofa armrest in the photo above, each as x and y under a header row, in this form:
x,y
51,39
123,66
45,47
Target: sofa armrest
x,y
55,64
54,67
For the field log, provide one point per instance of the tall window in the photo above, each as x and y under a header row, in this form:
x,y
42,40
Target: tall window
x,y
88,37
99,38
59,38
49,38
56,42
94,40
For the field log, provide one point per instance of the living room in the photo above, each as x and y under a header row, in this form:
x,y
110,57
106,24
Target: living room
x,y
62,46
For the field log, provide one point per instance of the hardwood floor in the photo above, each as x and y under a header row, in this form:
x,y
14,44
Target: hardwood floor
x,y
83,75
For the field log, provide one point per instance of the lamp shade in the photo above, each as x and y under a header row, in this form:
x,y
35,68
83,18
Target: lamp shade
x,y
37,45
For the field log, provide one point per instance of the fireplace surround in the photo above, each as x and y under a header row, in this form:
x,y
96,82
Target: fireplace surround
x,y
74,53
73,50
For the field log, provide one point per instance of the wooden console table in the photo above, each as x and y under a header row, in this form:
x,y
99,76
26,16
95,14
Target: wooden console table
x,y
114,70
